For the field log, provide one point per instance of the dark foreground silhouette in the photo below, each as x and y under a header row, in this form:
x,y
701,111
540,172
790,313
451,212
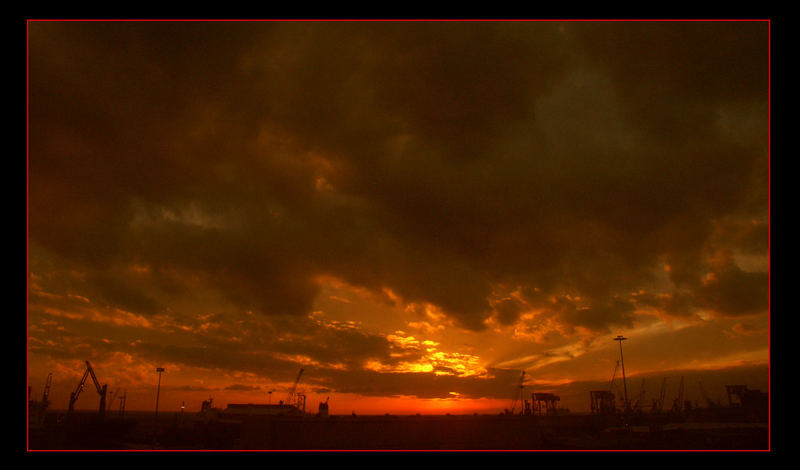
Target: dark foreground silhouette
x,y
139,431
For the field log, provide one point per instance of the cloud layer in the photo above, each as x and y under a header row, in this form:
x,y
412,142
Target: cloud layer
x,y
504,174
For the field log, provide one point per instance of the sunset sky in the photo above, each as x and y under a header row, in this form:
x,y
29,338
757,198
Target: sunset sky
x,y
413,212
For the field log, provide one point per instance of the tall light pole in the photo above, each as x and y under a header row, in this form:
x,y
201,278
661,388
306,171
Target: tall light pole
x,y
621,338
158,394
158,390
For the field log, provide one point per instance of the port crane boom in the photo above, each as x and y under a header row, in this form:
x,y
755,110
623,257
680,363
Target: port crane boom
x,y
640,400
111,399
101,390
46,392
294,388
658,403
37,410
678,404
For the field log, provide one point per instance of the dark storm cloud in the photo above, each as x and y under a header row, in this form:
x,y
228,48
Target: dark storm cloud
x,y
508,310
615,312
734,292
679,304
438,159
662,67
121,293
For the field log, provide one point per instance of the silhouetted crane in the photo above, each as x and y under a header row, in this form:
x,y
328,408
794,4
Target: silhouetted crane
x,y
101,390
640,399
323,408
46,392
658,403
677,405
122,401
111,398
36,409
292,390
